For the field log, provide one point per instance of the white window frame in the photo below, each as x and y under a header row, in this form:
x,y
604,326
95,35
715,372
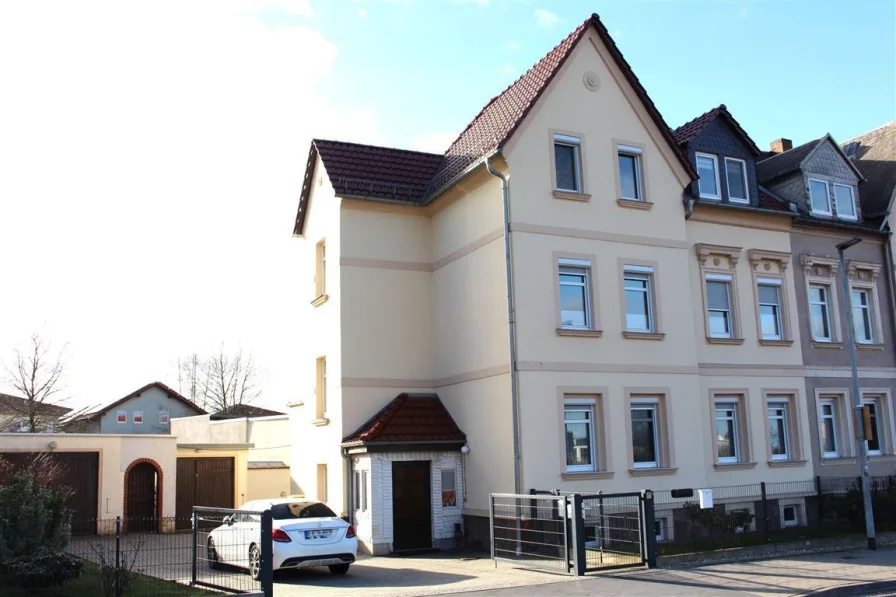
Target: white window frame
x,y
635,153
652,405
576,267
729,405
442,482
869,308
576,144
645,273
835,426
777,283
743,164
828,295
119,415
877,426
852,199
138,417
164,419
715,167
796,515
729,280
783,406
580,405
827,194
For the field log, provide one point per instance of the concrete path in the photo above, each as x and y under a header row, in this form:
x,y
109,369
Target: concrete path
x,y
783,577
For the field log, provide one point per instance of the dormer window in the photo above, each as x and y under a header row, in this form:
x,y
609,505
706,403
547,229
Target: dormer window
x,y
736,175
844,199
708,171
819,197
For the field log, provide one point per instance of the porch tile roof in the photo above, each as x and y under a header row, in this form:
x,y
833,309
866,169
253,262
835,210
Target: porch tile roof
x,y
409,418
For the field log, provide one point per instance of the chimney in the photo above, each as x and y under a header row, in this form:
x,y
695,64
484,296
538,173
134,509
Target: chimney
x,y
781,145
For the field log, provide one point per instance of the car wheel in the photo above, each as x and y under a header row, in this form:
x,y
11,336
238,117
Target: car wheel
x,y
255,562
212,554
339,568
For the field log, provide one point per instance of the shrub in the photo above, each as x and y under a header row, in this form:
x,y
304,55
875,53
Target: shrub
x,y
35,525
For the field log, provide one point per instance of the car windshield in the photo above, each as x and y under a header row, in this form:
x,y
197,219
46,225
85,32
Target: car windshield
x,y
301,510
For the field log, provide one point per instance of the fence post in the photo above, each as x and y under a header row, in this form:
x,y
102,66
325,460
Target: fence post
x,y
117,582
820,498
600,524
649,527
578,534
267,554
764,512
195,533
491,525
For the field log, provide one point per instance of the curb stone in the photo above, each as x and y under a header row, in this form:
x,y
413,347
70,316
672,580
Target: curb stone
x,y
853,590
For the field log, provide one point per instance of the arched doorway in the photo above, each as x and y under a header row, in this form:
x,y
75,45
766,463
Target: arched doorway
x,y
142,502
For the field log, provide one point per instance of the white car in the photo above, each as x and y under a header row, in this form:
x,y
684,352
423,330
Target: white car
x,y
305,534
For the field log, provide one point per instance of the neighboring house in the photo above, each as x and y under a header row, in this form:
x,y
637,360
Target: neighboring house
x,y
147,410
834,203
564,288
14,413
260,442
746,308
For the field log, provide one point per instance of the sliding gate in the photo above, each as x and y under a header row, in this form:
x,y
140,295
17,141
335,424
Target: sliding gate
x,y
573,532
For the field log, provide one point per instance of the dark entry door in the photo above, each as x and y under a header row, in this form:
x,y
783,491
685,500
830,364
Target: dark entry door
x,y
411,505
143,491
202,482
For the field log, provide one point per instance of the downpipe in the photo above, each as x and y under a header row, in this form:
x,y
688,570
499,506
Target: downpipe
x,y
511,325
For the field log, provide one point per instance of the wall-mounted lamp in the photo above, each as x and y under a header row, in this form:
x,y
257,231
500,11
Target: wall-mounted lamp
x,y
465,449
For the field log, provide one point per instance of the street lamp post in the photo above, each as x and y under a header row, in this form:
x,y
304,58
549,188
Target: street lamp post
x,y
857,396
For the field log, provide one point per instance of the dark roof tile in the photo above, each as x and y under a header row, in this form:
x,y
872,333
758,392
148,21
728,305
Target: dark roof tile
x,y
784,163
15,405
416,418
689,130
875,156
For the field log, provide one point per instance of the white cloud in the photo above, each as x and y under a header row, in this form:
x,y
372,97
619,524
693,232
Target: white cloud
x,y
546,18
477,2
507,69
362,13
743,13
435,142
512,46
152,155
295,8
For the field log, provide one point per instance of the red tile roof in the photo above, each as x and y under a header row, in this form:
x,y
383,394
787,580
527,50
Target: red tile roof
x,y
686,132
409,418
415,177
768,200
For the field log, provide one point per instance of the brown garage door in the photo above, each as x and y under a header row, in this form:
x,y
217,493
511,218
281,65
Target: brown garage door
x,y
203,482
78,471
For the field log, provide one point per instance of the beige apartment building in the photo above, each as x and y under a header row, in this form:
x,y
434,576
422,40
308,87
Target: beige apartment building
x,y
605,321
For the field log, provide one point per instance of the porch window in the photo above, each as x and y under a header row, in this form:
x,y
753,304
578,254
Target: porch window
x,y
449,488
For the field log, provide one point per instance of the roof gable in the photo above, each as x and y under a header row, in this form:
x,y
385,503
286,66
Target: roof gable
x,y
96,411
386,174
690,130
409,418
15,405
794,159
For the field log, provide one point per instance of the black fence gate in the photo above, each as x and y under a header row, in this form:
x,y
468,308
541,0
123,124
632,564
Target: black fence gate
x,y
572,532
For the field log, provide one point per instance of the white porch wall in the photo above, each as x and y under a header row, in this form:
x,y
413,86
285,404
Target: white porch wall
x,y
375,526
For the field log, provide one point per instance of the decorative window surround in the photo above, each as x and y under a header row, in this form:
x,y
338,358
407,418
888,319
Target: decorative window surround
x,y
588,399
735,401
579,184
757,256
789,401
862,271
814,265
863,278
822,272
704,251
721,269
769,268
577,265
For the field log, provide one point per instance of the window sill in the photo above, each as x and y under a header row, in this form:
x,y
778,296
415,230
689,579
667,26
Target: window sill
x,y
711,198
586,476
580,333
652,472
634,204
643,335
729,341
764,342
834,345
839,460
861,346
882,457
320,422
320,300
572,196
734,466
785,463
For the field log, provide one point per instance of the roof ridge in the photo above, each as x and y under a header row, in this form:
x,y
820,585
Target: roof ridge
x,y
387,147
800,146
872,131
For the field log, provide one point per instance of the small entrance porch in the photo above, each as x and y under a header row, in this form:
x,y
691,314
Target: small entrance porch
x,y
407,477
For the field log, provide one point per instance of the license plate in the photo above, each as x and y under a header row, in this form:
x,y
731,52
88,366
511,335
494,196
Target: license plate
x,y
317,534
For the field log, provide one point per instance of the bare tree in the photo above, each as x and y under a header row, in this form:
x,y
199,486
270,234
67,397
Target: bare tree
x,y
219,382
36,377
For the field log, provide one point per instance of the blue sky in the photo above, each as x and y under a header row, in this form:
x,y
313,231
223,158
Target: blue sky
x,y
792,69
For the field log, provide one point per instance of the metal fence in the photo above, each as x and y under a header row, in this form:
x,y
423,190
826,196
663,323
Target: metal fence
x,y
155,561
533,529
613,530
